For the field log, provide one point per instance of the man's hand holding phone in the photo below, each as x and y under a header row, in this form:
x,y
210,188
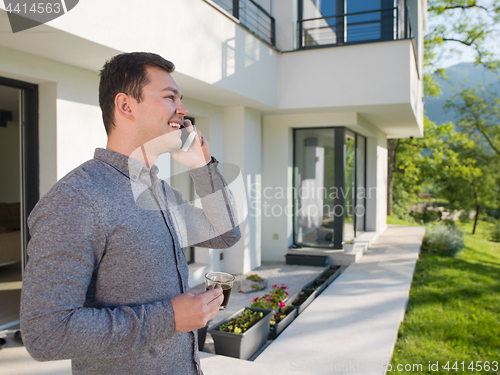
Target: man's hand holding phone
x,y
197,153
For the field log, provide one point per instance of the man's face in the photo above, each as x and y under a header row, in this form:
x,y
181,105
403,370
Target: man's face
x,y
161,112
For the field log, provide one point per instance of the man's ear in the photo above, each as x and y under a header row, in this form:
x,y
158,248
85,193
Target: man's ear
x,y
122,106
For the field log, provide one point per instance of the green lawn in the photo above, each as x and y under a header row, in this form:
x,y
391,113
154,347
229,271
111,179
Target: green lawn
x,y
454,310
394,220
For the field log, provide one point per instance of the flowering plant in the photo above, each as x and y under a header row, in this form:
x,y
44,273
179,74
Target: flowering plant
x,y
273,300
281,314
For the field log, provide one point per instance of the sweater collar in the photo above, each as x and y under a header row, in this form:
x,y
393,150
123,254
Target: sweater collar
x,y
128,166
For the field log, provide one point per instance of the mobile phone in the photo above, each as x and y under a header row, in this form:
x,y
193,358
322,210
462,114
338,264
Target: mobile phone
x,y
187,138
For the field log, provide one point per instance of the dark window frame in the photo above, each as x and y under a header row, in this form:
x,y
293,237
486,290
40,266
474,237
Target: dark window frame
x,y
30,161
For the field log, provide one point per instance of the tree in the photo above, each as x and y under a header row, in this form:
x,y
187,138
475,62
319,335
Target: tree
x,y
467,173
469,23
479,115
462,171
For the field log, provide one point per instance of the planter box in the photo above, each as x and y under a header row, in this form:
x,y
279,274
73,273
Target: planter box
x,y
319,289
307,260
276,329
332,277
202,335
245,345
309,296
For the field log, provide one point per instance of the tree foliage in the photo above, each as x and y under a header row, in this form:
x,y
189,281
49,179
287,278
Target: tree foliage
x,y
456,164
479,115
451,23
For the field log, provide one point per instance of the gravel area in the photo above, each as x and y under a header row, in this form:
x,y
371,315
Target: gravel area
x,y
293,276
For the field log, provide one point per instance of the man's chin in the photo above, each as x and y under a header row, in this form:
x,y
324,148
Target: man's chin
x,y
167,143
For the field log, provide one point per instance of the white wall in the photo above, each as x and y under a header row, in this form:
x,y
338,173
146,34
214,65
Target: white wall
x,y
70,123
371,74
285,15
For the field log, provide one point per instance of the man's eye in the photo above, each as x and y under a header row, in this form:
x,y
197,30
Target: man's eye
x,y
171,97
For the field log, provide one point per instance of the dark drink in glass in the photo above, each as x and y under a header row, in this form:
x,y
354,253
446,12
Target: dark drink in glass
x,y
225,280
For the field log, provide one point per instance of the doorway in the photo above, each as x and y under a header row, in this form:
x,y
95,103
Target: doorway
x,y
19,188
329,187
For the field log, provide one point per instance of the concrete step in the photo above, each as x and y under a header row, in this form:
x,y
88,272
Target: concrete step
x,y
351,253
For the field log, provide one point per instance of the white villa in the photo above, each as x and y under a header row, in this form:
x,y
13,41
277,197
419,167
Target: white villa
x,y
302,95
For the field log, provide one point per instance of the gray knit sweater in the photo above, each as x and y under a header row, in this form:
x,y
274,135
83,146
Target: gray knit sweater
x,y
105,260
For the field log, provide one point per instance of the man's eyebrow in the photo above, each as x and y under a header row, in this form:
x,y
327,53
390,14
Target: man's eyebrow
x,y
175,91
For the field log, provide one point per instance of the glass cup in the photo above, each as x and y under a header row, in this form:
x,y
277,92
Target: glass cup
x,y
225,280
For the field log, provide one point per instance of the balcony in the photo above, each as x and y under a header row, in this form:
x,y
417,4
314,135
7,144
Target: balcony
x,y
251,16
352,28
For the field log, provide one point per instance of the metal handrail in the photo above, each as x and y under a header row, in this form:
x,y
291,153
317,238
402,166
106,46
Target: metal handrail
x,y
260,8
397,27
266,32
349,14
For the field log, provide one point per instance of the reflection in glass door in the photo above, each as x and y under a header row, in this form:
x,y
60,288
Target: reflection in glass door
x,y
314,187
349,187
360,193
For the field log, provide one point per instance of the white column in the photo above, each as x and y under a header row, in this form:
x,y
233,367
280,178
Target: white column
x,y
242,146
376,183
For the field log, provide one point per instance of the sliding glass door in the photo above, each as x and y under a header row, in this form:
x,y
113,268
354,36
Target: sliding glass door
x,y
329,184
314,185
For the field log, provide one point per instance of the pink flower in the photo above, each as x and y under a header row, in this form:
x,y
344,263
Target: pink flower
x,y
256,299
283,287
282,305
286,293
267,299
275,285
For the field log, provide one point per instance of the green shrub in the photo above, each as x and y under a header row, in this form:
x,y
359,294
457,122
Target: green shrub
x,y
254,277
464,216
487,218
495,233
449,223
402,213
442,239
427,216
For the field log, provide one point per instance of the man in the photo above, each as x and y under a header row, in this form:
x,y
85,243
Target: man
x,y
106,282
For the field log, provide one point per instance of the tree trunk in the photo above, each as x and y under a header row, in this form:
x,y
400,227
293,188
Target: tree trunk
x,y
391,162
475,219
477,209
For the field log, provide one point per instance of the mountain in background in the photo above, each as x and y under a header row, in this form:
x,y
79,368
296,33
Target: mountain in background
x,y
460,75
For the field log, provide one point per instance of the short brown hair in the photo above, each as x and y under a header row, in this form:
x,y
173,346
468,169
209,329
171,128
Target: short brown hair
x,y
126,73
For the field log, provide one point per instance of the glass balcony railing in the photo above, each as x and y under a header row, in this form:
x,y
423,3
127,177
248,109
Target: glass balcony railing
x,y
252,16
350,28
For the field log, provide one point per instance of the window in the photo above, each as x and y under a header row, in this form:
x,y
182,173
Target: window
x,y
336,22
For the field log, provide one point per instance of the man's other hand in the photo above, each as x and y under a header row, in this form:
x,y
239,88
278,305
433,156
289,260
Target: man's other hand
x,y
192,310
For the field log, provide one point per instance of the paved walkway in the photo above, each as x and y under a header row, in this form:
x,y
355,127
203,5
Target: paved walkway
x,y
350,328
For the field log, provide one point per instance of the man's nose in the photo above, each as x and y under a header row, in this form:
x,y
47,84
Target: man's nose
x,y
181,110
